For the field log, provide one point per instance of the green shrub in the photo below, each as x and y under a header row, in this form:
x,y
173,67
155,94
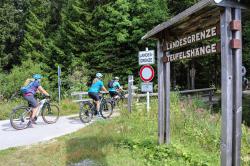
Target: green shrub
x,y
13,81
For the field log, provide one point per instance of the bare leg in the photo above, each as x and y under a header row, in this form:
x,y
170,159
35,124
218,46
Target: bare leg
x,y
97,106
34,110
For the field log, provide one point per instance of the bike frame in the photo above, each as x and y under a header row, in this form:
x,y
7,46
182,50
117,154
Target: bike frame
x,y
93,108
41,104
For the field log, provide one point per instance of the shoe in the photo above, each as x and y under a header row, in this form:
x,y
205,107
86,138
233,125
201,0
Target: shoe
x,y
30,124
99,116
33,121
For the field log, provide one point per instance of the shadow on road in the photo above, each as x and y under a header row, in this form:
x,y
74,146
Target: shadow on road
x,y
88,151
75,120
7,127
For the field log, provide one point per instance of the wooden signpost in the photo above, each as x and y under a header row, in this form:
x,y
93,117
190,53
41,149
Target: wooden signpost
x,y
176,37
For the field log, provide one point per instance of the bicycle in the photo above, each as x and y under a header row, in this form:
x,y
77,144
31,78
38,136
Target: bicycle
x,y
88,109
121,97
20,115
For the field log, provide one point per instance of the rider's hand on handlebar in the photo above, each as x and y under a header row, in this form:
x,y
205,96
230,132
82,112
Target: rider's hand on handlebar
x,y
46,96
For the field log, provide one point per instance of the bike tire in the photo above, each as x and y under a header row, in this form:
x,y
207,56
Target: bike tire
x,y
86,113
20,117
50,113
106,109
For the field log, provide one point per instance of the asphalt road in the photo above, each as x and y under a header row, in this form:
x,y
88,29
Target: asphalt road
x,y
9,137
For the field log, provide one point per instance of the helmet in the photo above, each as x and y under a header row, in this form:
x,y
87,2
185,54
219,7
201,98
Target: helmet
x,y
37,76
99,75
116,78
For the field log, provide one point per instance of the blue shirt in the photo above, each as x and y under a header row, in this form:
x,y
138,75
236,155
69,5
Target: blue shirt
x,y
96,87
116,85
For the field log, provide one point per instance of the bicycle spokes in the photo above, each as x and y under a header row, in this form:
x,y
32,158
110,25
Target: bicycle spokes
x,y
19,118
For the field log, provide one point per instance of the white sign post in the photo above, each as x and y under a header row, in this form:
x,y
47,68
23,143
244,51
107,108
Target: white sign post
x,y
147,72
147,87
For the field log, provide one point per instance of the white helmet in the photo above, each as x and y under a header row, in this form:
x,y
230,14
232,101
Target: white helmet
x,y
116,78
99,75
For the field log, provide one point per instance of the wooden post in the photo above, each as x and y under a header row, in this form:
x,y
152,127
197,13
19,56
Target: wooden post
x,y
167,101
192,74
210,96
130,95
174,75
227,88
237,88
161,107
188,77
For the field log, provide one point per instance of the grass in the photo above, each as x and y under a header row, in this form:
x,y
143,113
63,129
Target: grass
x,y
67,107
131,140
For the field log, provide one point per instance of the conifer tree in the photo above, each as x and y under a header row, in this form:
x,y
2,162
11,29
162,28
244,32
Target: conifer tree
x,y
10,35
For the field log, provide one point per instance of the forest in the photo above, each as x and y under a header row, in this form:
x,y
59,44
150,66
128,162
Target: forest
x,y
88,36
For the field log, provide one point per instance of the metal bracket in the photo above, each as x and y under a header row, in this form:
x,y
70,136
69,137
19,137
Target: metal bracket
x,y
235,25
235,44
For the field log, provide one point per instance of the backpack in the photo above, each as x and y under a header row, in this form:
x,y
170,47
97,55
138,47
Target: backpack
x,y
26,89
110,83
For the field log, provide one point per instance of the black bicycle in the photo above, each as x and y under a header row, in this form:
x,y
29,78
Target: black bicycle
x,y
20,115
116,100
88,109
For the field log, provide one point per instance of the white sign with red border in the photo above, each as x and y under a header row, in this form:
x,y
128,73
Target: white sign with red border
x,y
147,73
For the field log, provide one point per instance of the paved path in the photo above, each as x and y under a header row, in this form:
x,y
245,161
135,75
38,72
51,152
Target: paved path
x,y
42,131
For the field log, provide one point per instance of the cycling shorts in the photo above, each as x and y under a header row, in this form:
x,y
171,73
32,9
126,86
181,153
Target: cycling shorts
x,y
93,95
113,93
31,100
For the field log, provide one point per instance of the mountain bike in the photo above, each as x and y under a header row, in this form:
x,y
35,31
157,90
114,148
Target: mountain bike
x,y
121,97
20,115
88,109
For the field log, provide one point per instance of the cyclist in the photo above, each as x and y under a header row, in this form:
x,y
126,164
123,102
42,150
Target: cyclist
x,y
34,86
115,88
96,87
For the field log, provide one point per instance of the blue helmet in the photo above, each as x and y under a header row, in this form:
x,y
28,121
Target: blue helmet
x,y
99,75
37,76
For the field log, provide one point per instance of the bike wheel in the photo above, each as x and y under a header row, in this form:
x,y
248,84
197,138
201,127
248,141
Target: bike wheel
x,y
86,113
20,117
50,113
106,109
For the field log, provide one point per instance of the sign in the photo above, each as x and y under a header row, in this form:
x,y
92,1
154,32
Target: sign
x,y
147,73
146,57
192,53
197,37
147,86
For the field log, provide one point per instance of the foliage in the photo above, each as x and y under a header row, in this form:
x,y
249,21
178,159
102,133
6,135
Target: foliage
x,y
10,35
13,81
93,36
127,21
